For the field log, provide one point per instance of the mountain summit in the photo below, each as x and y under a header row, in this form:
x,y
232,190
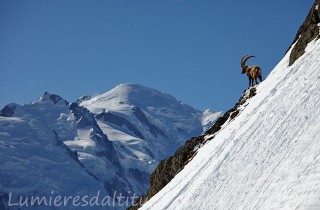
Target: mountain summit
x,y
145,126
107,144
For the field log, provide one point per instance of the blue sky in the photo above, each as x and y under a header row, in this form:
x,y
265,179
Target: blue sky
x,y
189,49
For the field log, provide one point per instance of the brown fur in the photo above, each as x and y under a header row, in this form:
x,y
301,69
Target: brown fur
x,y
253,72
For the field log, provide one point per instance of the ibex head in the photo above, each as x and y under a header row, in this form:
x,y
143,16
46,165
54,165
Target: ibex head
x,y
243,63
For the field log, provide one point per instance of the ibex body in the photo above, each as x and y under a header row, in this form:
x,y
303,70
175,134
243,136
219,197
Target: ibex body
x,y
253,72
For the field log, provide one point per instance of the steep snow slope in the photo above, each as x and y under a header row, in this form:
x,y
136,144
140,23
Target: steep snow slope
x,y
268,157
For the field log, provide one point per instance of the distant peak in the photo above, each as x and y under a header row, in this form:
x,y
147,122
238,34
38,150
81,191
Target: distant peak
x,y
8,110
130,94
49,97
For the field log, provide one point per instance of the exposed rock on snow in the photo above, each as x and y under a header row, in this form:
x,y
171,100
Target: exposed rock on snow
x,y
171,166
267,157
308,31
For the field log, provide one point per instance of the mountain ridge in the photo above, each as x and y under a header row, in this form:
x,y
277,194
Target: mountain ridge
x,y
117,144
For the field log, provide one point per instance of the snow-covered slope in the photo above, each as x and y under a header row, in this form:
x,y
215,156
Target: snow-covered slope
x,y
268,157
35,161
55,148
145,126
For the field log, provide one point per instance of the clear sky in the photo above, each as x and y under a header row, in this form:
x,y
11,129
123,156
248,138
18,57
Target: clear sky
x,y
189,49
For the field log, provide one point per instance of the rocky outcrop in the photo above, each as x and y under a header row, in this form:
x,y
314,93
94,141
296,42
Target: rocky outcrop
x,y
307,32
8,110
82,99
69,152
85,119
171,166
56,98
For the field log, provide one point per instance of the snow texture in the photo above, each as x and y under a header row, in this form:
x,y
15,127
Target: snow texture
x,y
145,126
268,157
52,147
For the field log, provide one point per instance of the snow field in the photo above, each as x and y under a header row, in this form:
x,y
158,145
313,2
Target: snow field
x,y
268,157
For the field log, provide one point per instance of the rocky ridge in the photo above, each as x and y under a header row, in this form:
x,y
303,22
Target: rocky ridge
x,y
307,32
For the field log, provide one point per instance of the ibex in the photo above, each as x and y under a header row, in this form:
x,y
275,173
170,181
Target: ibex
x,y
253,72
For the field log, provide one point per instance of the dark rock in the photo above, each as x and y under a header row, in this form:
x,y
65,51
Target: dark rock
x,y
234,114
83,98
107,148
85,119
55,98
8,110
307,32
72,154
252,92
171,166
69,152
83,116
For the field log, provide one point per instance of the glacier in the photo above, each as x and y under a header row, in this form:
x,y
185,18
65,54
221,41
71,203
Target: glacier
x,y
107,144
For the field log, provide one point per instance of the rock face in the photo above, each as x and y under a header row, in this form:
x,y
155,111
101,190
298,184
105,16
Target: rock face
x,y
171,166
8,110
85,119
308,31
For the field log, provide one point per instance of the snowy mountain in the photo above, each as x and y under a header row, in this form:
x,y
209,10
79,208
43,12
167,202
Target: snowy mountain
x,y
145,125
108,144
265,152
